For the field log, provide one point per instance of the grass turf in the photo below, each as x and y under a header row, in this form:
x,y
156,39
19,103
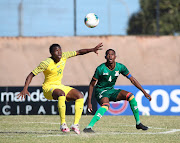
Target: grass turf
x,y
110,129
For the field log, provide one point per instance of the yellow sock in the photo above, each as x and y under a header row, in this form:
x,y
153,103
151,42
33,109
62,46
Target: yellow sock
x,y
79,103
62,108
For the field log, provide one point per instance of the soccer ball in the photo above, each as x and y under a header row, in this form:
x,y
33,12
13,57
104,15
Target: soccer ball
x,y
91,20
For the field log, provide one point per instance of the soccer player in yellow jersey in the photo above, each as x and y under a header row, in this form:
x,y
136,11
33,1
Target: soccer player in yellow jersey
x,y
53,89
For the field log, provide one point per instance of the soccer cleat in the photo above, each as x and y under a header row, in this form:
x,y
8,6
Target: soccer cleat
x,y
75,128
88,130
141,126
64,128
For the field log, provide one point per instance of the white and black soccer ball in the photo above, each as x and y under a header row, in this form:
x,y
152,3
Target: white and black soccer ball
x,y
91,20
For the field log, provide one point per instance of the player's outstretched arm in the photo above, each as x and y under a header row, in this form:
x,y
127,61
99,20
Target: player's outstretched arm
x,y
25,92
85,51
137,84
91,86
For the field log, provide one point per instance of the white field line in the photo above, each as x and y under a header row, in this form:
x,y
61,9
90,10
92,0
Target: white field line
x,y
108,133
103,133
41,123
120,125
115,133
59,124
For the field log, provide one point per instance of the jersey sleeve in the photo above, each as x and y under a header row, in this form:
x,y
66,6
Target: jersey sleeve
x,y
69,54
124,70
41,67
96,74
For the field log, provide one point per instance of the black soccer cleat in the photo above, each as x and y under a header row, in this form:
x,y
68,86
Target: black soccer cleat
x,y
141,126
88,130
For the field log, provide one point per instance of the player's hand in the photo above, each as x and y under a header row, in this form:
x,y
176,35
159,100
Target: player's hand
x,y
98,47
148,96
90,108
23,94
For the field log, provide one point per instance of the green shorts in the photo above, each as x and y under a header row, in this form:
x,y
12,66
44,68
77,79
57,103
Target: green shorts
x,y
109,93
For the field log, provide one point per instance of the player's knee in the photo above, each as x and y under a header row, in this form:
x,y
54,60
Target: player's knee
x,y
129,96
60,93
105,105
57,93
80,95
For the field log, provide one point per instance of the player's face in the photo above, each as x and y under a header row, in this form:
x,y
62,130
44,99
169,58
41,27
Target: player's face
x,y
110,57
57,53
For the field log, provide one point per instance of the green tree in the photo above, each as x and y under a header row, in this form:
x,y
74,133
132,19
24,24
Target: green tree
x,y
144,21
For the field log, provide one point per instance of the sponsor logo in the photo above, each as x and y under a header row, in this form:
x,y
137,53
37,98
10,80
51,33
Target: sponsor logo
x,y
99,115
165,99
117,108
135,107
59,71
105,73
35,96
36,103
100,94
162,101
116,73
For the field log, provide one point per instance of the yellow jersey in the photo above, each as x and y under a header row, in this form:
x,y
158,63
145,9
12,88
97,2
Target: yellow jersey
x,y
53,72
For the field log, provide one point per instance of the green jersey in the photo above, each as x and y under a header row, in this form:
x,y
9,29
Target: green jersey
x,y
106,77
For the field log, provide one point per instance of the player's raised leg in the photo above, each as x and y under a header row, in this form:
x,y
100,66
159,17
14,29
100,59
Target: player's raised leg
x,y
124,95
76,96
98,115
60,96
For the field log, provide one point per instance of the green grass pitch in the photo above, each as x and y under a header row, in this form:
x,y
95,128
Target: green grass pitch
x,y
110,129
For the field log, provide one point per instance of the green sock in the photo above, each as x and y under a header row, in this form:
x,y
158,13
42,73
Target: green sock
x,y
135,110
99,113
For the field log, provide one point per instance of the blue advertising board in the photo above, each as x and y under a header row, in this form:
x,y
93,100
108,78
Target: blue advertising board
x,y
165,101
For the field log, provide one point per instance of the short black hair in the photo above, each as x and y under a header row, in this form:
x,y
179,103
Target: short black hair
x,y
53,46
110,50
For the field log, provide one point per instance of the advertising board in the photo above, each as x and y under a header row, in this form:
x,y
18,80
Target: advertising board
x,y
165,101
36,104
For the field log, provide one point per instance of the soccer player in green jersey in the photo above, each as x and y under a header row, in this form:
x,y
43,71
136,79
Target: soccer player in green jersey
x,y
105,76
52,87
